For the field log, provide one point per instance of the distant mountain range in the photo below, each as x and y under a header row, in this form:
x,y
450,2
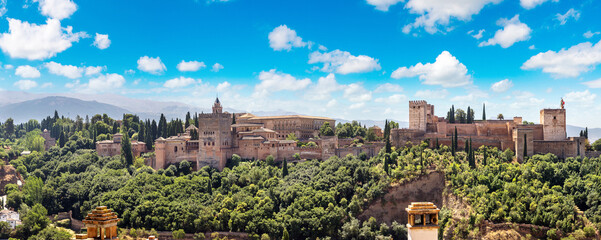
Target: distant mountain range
x,y
23,106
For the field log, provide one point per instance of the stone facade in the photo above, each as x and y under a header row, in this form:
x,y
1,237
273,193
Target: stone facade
x,y
48,140
109,148
547,137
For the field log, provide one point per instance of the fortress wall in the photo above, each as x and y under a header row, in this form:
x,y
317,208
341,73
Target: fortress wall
x,y
537,130
462,129
562,149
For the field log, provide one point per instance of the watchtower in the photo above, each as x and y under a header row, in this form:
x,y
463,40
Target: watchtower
x,y
423,221
215,137
419,113
554,124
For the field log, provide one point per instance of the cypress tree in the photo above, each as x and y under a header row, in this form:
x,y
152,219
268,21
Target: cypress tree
x,y
483,111
467,147
233,118
285,235
285,168
62,139
437,143
472,159
126,151
187,120
468,118
484,157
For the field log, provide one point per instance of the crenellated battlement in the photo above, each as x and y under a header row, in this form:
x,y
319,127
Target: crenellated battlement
x,y
417,102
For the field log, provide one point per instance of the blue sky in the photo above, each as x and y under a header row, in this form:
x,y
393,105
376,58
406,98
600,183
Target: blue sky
x,y
352,59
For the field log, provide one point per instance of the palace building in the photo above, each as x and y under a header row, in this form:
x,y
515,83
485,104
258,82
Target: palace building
x,y
547,137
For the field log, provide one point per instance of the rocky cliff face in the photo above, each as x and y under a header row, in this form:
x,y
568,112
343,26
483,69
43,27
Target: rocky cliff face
x,y
8,175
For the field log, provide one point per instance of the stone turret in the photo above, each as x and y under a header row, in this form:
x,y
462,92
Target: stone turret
x,y
217,109
423,221
420,113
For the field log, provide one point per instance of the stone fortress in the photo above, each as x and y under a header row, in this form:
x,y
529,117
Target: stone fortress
x,y
222,134
547,137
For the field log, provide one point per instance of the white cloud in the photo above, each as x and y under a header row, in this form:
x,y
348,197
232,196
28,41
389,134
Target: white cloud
x,y
37,42
530,4
383,5
388,87
392,99
191,66
27,71
8,66
513,31
432,94
355,92
471,97
477,35
273,81
532,47
25,84
447,71
343,62
216,67
105,82
2,7
93,70
440,12
584,97
593,84
179,82
69,71
130,71
501,86
284,38
357,105
569,62
322,48
590,34
563,18
222,87
57,9
102,41
151,65
527,102
324,87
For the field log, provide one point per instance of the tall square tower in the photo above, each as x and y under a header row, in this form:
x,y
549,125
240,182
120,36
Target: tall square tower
x,y
419,114
215,137
554,124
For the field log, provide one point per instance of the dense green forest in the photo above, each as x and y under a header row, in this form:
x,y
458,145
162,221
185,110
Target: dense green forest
x,y
307,200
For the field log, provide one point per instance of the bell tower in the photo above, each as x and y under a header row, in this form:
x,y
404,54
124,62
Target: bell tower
x,y
217,109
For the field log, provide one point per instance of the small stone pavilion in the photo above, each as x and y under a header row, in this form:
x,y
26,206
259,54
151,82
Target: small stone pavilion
x,y
101,224
423,221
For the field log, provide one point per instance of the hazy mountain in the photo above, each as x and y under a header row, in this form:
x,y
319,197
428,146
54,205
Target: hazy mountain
x,y
68,107
593,133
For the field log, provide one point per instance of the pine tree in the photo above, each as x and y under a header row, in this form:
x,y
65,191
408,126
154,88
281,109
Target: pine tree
x,y
285,168
126,151
484,111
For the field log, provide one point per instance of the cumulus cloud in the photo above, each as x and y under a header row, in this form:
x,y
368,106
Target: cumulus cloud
x,y
446,71
563,18
273,81
25,84
284,38
102,41
105,82
569,62
57,9
68,71
151,65
584,97
179,82
471,97
383,5
501,86
388,87
216,67
593,84
513,31
530,4
392,99
355,92
435,13
27,71
2,7
324,87
590,34
191,66
476,35
37,42
93,70
343,62
432,94
222,87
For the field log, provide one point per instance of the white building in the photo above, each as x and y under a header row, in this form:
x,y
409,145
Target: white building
x,y
11,217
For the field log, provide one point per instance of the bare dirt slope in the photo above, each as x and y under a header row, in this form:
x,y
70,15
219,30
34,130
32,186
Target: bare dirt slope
x,y
8,175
